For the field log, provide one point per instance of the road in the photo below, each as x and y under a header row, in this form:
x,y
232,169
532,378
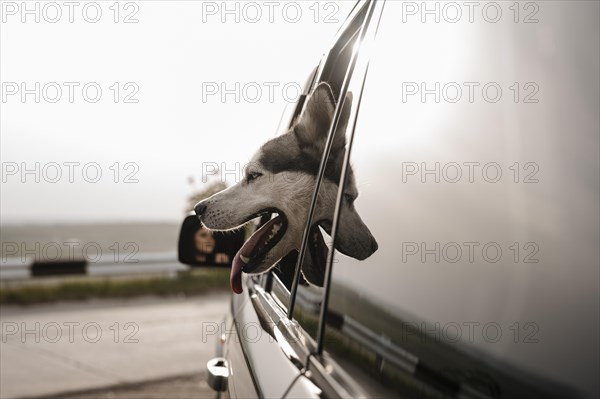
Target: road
x,y
72,347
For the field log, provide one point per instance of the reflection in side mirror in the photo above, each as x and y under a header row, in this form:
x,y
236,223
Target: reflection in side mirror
x,y
199,246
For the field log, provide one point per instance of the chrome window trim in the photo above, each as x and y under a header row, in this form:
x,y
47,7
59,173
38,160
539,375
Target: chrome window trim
x,y
356,10
295,343
280,292
344,174
336,117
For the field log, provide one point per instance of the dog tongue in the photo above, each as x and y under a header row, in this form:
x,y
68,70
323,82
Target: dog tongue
x,y
247,251
236,274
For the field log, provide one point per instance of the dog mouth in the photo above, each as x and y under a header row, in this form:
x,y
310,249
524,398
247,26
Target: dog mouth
x,y
313,269
255,250
326,224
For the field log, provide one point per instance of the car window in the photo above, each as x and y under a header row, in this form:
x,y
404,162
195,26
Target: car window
x,y
484,253
328,85
332,70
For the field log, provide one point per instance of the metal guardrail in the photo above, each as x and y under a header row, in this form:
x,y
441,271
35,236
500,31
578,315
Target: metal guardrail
x,y
18,268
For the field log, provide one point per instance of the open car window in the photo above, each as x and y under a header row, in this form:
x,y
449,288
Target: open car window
x,y
325,98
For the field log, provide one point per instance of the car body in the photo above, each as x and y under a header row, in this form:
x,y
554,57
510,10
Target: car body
x,y
475,148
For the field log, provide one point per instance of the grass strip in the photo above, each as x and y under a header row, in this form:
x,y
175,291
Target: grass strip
x,y
195,282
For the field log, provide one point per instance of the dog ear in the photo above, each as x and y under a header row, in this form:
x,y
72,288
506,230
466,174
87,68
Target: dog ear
x,y
354,238
340,134
315,121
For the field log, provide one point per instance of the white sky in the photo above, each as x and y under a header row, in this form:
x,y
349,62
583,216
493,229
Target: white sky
x,y
175,50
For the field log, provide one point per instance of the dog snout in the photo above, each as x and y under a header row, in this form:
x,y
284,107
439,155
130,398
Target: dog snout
x,y
199,209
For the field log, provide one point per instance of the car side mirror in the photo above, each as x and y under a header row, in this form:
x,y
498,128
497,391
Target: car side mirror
x,y
199,246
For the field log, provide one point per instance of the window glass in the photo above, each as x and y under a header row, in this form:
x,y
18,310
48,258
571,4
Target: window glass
x,y
473,165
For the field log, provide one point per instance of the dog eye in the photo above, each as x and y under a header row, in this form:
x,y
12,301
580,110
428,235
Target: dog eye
x,y
252,176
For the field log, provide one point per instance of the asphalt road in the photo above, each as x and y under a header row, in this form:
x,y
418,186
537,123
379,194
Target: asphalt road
x,y
50,350
184,387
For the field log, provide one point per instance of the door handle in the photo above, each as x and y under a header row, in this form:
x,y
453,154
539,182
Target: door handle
x,y
218,373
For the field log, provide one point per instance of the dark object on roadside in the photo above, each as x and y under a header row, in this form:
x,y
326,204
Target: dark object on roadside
x,y
58,268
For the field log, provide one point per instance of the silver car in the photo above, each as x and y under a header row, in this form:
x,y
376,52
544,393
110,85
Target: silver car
x,y
474,138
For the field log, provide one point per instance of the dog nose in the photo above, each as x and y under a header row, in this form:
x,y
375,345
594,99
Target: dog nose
x,y
374,246
199,209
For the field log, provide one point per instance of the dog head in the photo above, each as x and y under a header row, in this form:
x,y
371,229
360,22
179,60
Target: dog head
x,y
280,180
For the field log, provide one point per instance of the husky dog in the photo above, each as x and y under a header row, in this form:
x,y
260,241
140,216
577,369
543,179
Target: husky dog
x,y
280,180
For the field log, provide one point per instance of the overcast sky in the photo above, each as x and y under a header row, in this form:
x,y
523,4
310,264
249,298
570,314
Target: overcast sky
x,y
160,116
